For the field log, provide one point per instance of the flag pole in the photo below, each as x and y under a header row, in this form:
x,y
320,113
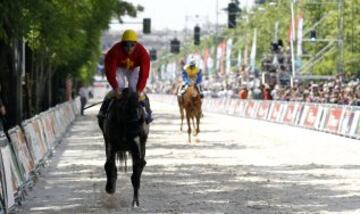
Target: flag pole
x,y
292,45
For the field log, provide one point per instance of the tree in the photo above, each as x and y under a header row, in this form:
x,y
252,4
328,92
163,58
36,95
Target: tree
x,y
62,38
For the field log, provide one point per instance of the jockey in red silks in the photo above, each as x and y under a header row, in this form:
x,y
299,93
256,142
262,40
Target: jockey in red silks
x,y
127,60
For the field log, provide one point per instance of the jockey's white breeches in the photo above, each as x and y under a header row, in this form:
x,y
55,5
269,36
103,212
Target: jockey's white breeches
x,y
132,77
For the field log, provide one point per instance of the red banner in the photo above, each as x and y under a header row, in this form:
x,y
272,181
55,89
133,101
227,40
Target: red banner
x,y
332,121
263,110
311,116
221,57
290,114
275,112
250,108
347,121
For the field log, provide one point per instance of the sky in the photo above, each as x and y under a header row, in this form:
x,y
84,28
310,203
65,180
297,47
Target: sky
x,y
178,14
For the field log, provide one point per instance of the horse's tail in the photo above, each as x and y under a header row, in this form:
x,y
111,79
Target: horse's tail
x,y
122,156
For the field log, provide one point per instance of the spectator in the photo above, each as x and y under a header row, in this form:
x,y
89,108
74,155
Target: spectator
x,y
257,93
84,96
356,100
243,93
267,93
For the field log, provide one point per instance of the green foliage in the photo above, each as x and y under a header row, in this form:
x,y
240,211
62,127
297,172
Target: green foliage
x,y
12,21
65,33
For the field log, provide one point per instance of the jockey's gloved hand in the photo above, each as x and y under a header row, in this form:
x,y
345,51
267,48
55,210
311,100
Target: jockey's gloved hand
x,y
141,96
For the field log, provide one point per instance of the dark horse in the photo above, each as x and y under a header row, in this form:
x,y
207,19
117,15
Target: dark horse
x,y
125,130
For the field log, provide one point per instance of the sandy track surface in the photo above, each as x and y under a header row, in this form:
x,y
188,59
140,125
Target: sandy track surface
x,y
235,165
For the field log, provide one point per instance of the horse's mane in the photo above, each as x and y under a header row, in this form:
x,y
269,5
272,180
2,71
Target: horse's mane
x,y
192,94
125,115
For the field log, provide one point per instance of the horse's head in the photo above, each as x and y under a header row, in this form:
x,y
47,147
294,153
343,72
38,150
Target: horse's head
x,y
192,92
125,112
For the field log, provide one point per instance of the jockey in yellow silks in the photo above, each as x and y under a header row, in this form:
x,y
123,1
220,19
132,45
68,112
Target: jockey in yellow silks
x,y
191,73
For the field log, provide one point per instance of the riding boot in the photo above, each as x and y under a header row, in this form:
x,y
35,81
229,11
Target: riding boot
x,y
200,90
148,113
183,89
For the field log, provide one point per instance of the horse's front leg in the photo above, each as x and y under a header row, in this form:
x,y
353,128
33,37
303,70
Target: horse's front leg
x,y
138,158
189,126
181,109
193,123
198,124
110,169
182,118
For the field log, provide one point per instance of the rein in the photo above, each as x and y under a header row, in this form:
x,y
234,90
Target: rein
x,y
92,105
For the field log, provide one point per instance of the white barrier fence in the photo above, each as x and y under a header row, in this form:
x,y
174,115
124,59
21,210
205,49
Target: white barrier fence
x,y
28,148
336,119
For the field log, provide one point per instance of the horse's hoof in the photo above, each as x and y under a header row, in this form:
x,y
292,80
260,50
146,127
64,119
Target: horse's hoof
x,y
110,188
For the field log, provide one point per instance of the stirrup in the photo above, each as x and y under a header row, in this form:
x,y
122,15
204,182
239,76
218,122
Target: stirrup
x,y
148,119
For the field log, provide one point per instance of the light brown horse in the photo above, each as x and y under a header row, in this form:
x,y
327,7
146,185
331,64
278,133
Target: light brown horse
x,y
190,103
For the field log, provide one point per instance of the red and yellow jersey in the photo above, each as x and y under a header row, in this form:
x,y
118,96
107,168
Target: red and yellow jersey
x,y
116,57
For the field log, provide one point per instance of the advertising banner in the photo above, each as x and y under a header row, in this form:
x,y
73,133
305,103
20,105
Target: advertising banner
x,y
250,108
232,106
263,110
240,108
347,121
311,116
26,161
333,119
355,128
290,113
31,139
8,180
275,111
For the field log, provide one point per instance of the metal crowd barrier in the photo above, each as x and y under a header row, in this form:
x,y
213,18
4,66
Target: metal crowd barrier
x,y
336,119
29,146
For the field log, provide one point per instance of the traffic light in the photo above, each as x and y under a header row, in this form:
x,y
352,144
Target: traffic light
x,y
232,9
153,55
313,34
147,26
175,46
196,35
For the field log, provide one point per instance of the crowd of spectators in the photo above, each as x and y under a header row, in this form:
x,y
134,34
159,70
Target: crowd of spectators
x,y
335,91
276,66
